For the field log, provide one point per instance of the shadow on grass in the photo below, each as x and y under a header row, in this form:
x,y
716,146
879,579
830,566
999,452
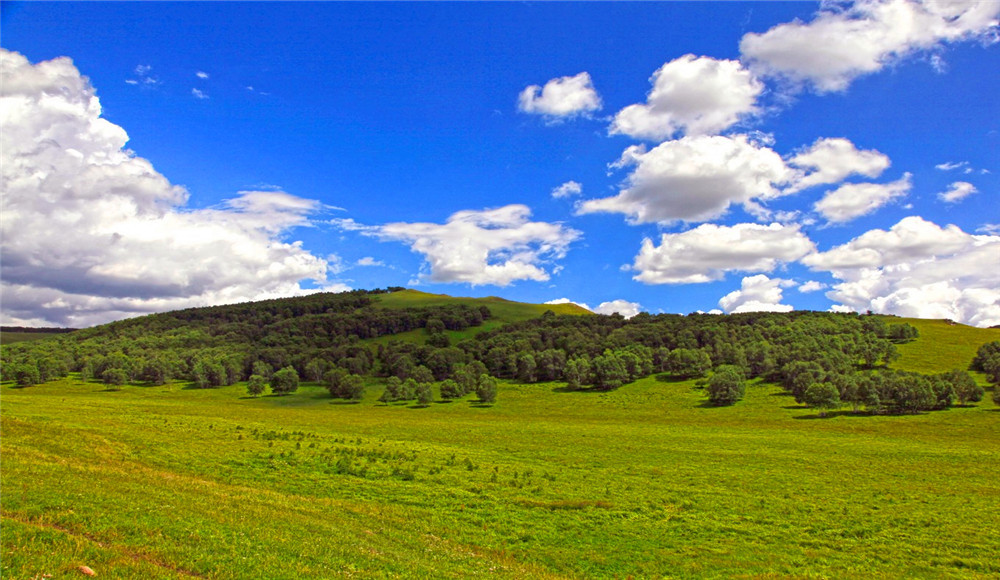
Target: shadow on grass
x,y
844,413
444,402
781,394
480,405
343,402
668,378
793,407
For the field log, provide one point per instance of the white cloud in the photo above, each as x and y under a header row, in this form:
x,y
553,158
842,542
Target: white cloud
x,y
694,95
145,78
951,165
957,191
561,97
202,75
812,286
839,45
493,246
756,294
693,179
853,200
370,261
126,243
991,229
707,252
831,160
623,307
568,189
918,269
199,94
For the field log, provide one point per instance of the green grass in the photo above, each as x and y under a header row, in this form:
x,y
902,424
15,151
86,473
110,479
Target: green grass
x,y
12,337
644,481
941,346
504,310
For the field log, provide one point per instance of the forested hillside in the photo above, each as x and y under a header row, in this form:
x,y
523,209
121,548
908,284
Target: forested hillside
x,y
412,340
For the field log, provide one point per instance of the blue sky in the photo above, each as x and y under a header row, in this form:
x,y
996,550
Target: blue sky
x,y
666,157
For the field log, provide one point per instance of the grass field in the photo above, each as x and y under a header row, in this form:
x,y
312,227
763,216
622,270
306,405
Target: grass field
x,y
12,337
645,481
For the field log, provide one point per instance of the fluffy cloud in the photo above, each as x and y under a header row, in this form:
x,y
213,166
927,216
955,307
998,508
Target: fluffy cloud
x,y
832,160
854,200
494,246
369,261
93,233
694,95
918,269
561,97
202,75
198,94
811,286
707,252
620,306
756,294
693,179
568,189
839,45
957,192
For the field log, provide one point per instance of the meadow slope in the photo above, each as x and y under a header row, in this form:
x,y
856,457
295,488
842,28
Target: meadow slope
x,y
645,481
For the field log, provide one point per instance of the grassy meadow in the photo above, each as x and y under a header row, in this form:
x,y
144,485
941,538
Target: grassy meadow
x,y
644,481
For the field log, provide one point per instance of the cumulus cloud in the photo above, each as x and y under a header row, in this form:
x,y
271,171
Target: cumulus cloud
x,y
492,246
707,252
918,269
623,307
693,95
693,179
812,286
198,94
832,160
839,45
568,189
561,98
756,294
957,191
853,200
93,233
202,75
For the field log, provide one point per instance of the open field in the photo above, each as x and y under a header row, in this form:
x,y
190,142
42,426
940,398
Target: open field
x,y
643,481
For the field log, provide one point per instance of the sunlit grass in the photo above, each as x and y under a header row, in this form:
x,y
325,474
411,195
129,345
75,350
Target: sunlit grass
x,y
643,481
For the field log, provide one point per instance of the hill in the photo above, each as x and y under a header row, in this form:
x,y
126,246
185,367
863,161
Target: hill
x,y
604,454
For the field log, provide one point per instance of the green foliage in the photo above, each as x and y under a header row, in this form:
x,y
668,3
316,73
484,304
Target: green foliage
x,y
26,374
486,389
424,394
255,385
285,381
114,377
824,396
688,363
726,386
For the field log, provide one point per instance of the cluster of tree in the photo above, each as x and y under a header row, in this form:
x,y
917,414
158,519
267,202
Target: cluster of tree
x,y
823,359
987,360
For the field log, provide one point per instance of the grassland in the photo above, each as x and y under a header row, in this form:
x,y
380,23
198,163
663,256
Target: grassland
x,y
942,345
12,337
645,481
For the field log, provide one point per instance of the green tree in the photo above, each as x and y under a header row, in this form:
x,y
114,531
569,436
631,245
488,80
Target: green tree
x,y
823,396
393,386
255,385
352,388
115,377
726,386
965,387
486,389
26,375
424,394
450,390
688,363
285,381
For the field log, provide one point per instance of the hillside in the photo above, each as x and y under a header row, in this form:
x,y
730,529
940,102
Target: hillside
x,y
139,449
942,344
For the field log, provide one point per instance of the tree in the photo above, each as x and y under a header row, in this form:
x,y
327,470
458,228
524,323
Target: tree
x,y
424,394
577,373
393,386
255,385
115,377
422,374
26,375
822,396
333,380
285,381
352,388
526,368
726,386
688,363
450,390
262,368
486,389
